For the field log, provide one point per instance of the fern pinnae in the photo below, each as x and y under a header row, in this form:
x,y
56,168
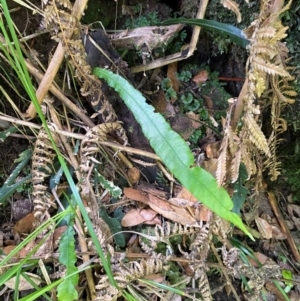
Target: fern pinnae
x,y
261,65
222,160
280,34
256,136
235,166
265,32
42,159
204,287
262,48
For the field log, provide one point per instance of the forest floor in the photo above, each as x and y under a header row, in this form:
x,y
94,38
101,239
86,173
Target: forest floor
x,y
192,94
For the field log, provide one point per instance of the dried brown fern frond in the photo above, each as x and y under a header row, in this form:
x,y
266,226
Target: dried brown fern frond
x,y
90,146
266,68
42,160
127,275
256,135
222,160
203,285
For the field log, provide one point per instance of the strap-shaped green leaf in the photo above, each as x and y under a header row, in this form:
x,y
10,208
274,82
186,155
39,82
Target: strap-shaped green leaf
x,y
235,34
66,290
173,150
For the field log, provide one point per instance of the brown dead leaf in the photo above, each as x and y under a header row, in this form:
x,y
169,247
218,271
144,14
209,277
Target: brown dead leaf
x,y
136,217
195,119
208,102
212,150
132,218
8,249
164,205
211,166
175,82
148,214
58,232
185,194
167,210
150,188
260,257
201,77
177,215
263,227
134,175
23,284
278,233
136,195
147,198
180,202
205,214
24,225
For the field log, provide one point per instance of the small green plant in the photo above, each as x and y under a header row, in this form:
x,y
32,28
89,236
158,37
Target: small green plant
x,y
9,187
184,76
195,137
142,20
190,103
168,89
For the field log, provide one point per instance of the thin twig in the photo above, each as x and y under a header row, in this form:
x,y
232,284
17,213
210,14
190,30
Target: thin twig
x,y
81,137
57,93
282,223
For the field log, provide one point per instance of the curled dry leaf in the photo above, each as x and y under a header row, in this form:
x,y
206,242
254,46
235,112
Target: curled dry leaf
x,y
134,175
175,82
194,119
148,214
201,77
167,210
132,218
24,225
264,228
136,217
